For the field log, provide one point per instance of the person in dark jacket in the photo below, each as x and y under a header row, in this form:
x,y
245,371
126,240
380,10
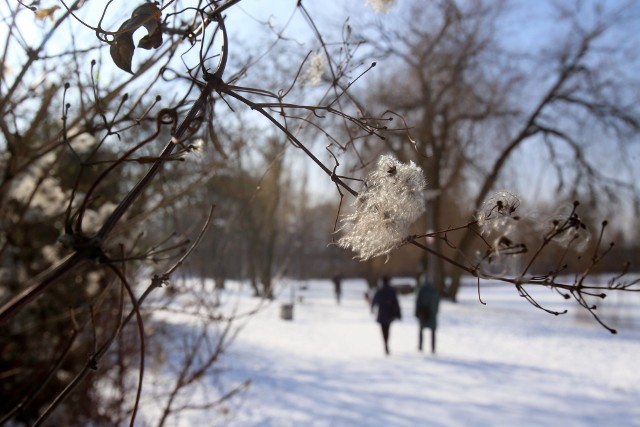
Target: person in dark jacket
x,y
337,287
427,302
388,309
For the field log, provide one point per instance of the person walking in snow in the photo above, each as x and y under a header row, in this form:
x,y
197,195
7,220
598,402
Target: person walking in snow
x,y
337,287
427,302
386,300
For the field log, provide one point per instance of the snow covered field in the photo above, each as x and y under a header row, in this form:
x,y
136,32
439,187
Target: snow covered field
x,y
500,364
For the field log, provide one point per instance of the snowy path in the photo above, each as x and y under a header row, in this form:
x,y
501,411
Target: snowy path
x,y
502,364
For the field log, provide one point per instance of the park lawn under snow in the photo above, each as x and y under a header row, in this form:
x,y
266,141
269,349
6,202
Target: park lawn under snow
x,y
500,364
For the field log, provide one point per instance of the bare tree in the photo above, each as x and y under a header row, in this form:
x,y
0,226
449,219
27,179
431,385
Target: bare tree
x,y
470,106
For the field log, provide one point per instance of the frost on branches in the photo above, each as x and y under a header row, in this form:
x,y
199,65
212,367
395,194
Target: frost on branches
x,y
383,212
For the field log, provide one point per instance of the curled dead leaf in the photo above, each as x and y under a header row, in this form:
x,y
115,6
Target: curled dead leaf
x,y
42,14
122,48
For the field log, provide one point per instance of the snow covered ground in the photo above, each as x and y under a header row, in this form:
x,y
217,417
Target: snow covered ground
x,y
500,364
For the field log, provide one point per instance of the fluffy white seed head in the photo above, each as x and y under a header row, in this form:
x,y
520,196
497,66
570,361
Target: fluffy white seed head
x,y
500,221
498,208
312,74
566,229
503,224
385,210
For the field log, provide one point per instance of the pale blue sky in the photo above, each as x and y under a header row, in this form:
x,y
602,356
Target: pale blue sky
x,y
527,28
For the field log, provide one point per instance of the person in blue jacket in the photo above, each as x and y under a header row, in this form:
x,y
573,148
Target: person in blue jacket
x,y
386,300
427,302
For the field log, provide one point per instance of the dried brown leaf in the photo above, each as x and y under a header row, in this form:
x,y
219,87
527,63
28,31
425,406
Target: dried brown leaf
x,y
42,14
122,48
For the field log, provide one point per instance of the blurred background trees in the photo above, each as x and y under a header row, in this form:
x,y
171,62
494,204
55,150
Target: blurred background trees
x,y
487,114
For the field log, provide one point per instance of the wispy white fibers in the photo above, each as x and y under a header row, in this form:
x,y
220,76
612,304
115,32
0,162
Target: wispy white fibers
x,y
312,75
499,213
391,201
565,228
500,221
503,223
